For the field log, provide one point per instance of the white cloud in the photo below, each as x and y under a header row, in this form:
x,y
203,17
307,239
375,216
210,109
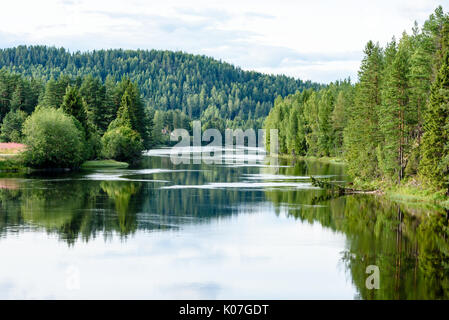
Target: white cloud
x,y
316,40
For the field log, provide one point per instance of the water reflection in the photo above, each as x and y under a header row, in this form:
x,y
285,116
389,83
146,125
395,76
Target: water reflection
x,y
409,244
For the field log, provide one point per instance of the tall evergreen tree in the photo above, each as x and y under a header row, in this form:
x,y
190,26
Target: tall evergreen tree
x,y
420,82
94,93
74,105
434,165
394,113
325,134
362,135
126,115
55,91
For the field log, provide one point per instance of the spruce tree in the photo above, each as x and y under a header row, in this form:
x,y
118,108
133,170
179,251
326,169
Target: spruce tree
x,y
126,114
55,91
420,82
435,146
74,105
94,93
394,115
361,134
339,119
325,132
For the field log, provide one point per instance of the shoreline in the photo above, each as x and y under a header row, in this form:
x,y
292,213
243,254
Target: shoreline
x,y
408,192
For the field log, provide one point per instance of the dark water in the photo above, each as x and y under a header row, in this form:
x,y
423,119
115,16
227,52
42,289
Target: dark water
x,y
244,231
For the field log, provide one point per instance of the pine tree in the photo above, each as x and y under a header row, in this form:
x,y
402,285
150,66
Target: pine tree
x,y
293,144
362,134
339,119
420,82
126,114
312,123
55,91
74,105
325,133
18,97
394,113
434,165
94,93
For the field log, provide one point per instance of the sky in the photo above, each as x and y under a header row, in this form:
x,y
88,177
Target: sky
x,y
318,40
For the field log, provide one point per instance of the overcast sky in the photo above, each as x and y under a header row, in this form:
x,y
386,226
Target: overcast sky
x,y
319,40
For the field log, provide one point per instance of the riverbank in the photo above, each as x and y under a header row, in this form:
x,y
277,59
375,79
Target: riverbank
x,y
15,165
411,191
333,160
98,164
12,165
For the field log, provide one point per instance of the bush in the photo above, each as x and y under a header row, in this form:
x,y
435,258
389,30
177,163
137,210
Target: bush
x,y
11,130
53,140
122,144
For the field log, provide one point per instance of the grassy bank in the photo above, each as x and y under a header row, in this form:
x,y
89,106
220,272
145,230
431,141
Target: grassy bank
x,y
416,194
333,160
12,164
98,164
411,191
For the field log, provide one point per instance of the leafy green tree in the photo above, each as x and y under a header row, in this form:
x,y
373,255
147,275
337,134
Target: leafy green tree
x,y
122,144
53,140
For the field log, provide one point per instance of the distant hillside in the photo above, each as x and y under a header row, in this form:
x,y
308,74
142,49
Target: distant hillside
x,y
167,80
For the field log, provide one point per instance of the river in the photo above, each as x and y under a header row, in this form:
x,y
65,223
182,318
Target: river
x,y
228,230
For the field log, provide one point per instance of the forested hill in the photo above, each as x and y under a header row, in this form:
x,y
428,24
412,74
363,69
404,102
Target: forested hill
x,y
167,80
392,126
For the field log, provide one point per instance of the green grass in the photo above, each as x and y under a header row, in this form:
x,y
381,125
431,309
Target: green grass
x,y
411,191
12,165
96,164
333,160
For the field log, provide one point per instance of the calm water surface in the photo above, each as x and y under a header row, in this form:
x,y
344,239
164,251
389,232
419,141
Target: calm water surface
x,y
222,231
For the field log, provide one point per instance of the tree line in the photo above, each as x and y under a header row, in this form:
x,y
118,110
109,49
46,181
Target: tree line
x,y
393,124
167,80
66,121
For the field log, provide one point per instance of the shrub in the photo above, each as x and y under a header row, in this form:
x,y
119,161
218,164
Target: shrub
x,y
53,140
122,144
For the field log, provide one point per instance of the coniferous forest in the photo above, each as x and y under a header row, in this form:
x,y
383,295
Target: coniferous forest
x,y
175,87
393,124
350,199
389,126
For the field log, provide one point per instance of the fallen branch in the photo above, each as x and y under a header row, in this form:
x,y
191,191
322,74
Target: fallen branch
x,y
338,189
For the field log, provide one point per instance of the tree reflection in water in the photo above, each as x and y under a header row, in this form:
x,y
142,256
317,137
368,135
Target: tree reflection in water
x,y
408,243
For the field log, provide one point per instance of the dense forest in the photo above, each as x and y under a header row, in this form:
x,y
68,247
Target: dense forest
x,y
67,121
393,124
197,86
